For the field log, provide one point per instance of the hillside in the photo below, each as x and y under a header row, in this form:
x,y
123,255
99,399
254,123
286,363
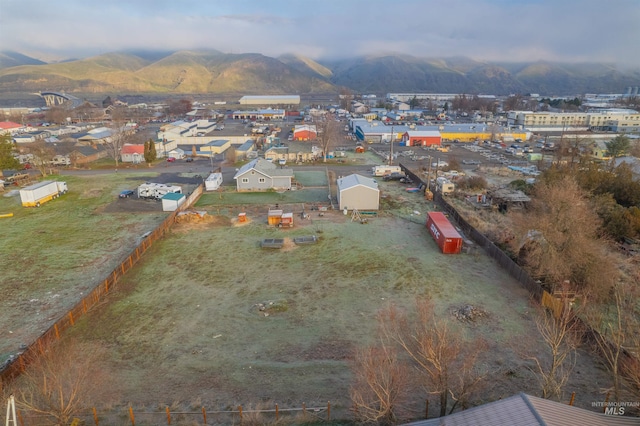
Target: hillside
x,y
211,71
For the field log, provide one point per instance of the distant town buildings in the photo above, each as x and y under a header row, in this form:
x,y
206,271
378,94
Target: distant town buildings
x,y
604,120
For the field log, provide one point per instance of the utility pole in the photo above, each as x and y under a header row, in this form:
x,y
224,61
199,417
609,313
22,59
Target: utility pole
x,y
391,149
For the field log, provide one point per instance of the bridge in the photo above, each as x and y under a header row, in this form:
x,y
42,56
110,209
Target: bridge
x,y
58,99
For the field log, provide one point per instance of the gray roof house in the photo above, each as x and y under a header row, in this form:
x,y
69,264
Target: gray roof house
x,y
262,175
358,192
527,410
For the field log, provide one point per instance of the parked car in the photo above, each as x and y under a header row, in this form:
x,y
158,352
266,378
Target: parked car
x,y
171,159
189,160
126,193
394,176
470,162
440,164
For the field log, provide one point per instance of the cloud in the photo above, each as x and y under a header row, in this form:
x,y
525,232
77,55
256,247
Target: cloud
x,y
505,30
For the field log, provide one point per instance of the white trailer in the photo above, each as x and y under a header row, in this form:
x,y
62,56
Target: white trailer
x,y
213,182
147,190
385,170
161,190
444,186
155,191
39,193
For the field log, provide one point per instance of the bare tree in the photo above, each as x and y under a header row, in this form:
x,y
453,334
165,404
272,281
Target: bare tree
x,y
439,352
120,134
380,384
560,333
57,114
616,336
557,238
42,155
59,381
346,96
328,131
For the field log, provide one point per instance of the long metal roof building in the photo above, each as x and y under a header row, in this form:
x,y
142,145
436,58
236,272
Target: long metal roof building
x,y
270,100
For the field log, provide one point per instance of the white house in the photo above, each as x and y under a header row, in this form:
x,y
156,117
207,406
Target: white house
x,y
176,153
358,192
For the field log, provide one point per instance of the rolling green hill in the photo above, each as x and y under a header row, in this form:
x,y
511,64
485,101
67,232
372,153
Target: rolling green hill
x,y
211,71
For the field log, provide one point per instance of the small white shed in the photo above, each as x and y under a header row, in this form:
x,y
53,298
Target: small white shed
x,y
358,192
172,200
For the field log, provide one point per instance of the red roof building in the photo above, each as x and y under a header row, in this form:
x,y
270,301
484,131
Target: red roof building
x,y
132,153
424,138
10,127
305,132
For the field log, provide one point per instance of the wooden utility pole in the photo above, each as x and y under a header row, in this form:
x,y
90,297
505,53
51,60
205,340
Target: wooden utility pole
x,y
391,149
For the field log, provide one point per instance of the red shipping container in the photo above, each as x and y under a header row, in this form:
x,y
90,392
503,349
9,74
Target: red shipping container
x,y
446,236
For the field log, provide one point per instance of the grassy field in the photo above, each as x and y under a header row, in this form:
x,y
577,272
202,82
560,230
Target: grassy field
x,y
210,318
53,254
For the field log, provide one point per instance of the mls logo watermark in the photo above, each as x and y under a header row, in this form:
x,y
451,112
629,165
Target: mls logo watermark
x,y
616,408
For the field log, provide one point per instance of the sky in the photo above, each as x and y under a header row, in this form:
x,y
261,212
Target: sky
x,y
484,30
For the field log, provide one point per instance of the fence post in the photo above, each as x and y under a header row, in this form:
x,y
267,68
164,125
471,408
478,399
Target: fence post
x,y
240,411
426,409
276,412
132,417
55,327
168,415
573,396
95,417
204,415
606,401
304,411
71,318
20,419
328,411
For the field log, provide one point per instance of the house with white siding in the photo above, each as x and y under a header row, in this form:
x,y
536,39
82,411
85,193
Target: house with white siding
x,y
262,175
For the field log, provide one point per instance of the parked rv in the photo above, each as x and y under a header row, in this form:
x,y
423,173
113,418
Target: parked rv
x,y
385,170
155,191
444,186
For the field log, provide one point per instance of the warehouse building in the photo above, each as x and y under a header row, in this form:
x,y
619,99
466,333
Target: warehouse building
x,y
270,100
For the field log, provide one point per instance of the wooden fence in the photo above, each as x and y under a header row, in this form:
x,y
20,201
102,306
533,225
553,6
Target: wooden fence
x,y
94,297
239,415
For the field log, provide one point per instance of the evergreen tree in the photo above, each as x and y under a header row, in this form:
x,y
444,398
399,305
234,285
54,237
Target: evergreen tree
x,y
7,160
150,154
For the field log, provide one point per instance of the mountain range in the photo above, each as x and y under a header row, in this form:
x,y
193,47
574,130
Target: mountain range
x,y
214,72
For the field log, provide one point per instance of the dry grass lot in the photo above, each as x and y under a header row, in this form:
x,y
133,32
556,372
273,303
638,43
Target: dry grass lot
x,y
53,254
210,318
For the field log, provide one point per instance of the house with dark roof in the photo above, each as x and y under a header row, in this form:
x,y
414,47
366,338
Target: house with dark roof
x,y
527,410
83,154
242,151
262,175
